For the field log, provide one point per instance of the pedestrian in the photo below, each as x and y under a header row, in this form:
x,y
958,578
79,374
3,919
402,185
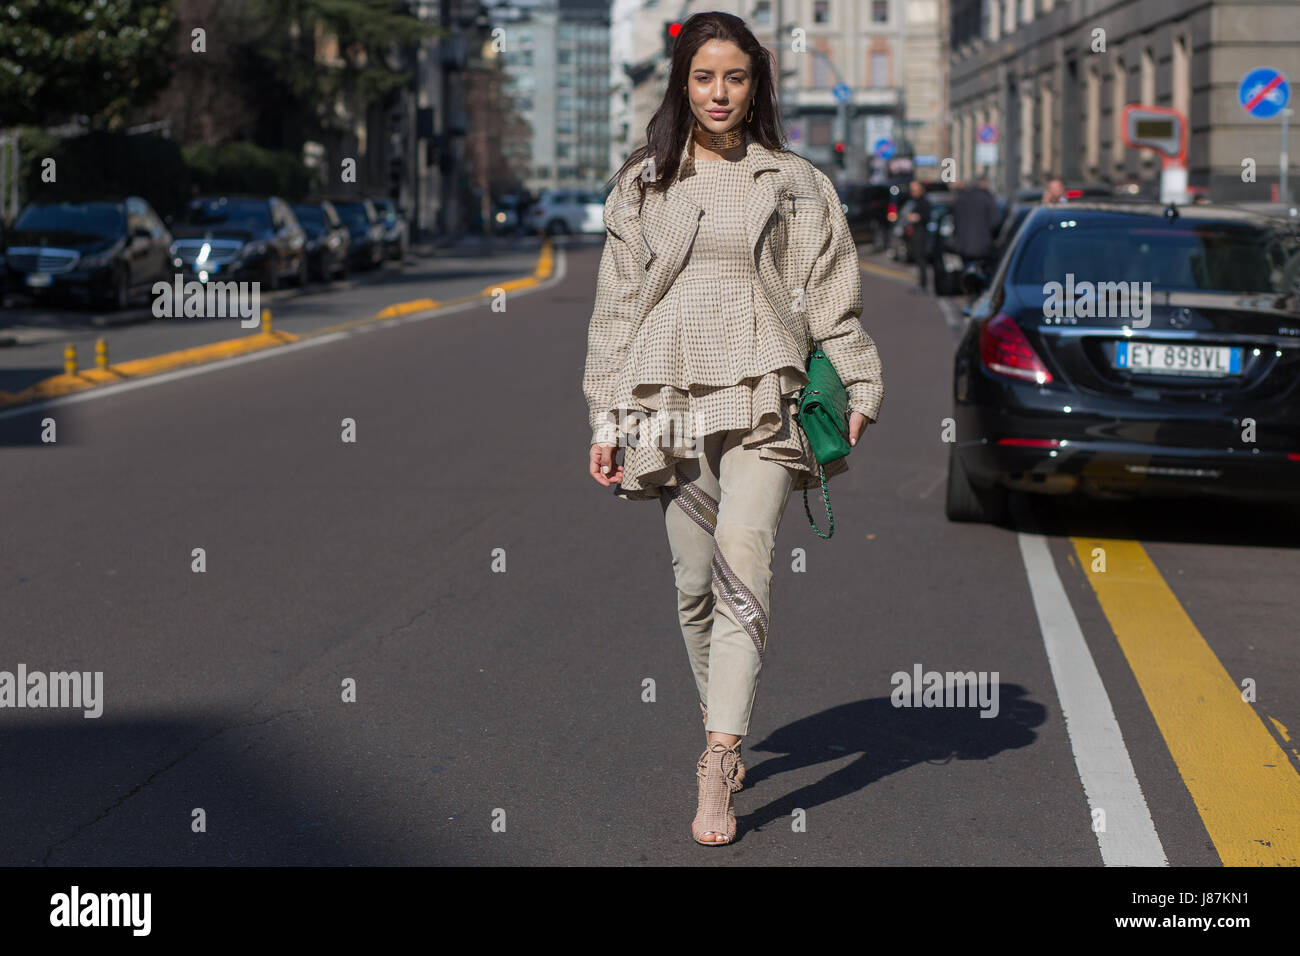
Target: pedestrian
x,y
918,224
975,222
725,256
1055,191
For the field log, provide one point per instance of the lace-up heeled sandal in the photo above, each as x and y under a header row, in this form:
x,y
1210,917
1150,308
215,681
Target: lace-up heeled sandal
x,y
716,774
740,767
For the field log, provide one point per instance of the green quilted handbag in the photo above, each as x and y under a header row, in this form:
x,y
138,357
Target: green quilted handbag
x,y
823,415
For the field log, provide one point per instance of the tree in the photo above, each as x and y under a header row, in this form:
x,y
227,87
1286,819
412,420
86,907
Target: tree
x,y
62,58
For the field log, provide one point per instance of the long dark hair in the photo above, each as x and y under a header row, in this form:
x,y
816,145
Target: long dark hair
x,y
672,123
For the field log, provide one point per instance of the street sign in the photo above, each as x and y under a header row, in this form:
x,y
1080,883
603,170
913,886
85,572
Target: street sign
x,y
925,159
794,132
986,154
878,127
1156,127
1263,92
842,93
988,133
884,148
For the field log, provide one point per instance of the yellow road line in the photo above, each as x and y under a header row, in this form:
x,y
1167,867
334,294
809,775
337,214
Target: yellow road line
x,y
887,271
137,368
1241,781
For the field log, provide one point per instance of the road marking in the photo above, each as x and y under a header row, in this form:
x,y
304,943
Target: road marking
x,y
41,394
898,275
1240,778
557,275
954,318
1105,768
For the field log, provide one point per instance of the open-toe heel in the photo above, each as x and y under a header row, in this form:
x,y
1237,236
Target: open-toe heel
x,y
716,774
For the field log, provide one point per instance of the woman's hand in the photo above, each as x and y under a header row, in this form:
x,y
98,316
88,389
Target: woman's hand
x,y
857,425
603,467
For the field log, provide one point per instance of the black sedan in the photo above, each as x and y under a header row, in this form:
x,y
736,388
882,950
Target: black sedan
x,y
253,239
328,239
95,252
366,230
1127,349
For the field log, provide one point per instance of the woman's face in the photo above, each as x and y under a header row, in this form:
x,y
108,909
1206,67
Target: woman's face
x,y
720,85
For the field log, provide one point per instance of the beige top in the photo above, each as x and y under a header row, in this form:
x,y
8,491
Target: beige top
x,y
678,385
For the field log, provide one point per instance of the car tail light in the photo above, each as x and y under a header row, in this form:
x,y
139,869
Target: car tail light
x,y
1005,350
892,213
1031,442
1293,456
1074,194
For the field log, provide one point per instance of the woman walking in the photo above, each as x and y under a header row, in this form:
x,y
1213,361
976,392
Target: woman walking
x,y
725,257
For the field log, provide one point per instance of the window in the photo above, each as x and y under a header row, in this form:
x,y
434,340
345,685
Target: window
x,y
879,69
821,11
564,102
563,150
763,13
564,80
542,172
879,11
564,57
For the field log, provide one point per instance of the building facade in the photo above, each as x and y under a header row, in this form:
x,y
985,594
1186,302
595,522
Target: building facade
x,y
889,54
1052,78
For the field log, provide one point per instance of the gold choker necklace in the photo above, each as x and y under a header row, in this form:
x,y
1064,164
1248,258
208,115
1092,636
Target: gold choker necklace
x,y
731,138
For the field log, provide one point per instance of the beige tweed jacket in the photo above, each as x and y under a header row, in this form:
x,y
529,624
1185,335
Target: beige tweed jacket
x,y
805,256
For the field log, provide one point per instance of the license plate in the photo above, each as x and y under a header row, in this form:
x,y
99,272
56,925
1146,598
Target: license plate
x,y
39,280
1178,358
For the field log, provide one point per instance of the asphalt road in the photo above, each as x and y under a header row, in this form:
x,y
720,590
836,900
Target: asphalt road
x,y
515,696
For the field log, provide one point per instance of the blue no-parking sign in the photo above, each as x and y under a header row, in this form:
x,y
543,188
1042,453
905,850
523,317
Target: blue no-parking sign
x,y
884,148
1263,92
988,133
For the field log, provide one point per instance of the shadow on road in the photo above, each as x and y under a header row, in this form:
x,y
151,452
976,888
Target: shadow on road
x,y
889,739
1183,521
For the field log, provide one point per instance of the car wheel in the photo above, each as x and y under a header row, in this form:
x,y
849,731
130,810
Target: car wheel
x,y
557,227
965,502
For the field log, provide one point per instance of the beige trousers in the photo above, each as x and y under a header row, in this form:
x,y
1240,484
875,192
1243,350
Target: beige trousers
x,y
722,519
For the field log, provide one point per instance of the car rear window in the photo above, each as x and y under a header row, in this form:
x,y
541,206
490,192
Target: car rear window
x,y
1181,256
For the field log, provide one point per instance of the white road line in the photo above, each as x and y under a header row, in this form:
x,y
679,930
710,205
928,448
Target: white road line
x,y
950,313
1105,768
308,341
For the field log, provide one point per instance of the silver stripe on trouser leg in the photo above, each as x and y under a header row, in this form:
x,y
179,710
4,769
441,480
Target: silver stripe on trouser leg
x,y
725,527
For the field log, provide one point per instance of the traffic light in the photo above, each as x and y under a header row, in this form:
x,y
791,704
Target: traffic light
x,y
670,34
839,155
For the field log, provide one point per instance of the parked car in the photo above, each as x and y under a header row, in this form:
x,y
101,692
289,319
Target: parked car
x,y
397,234
105,252
328,239
563,211
1074,376
240,238
365,229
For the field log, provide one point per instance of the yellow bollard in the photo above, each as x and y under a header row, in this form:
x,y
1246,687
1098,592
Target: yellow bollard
x,y
101,353
69,359
266,321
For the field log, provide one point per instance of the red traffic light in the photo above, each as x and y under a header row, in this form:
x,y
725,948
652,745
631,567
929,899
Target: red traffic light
x,y
839,147
674,29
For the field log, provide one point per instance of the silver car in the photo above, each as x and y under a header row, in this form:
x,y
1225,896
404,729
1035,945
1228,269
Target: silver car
x,y
559,212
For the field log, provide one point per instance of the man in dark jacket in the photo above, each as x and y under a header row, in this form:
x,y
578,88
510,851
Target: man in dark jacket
x,y
975,223
918,220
